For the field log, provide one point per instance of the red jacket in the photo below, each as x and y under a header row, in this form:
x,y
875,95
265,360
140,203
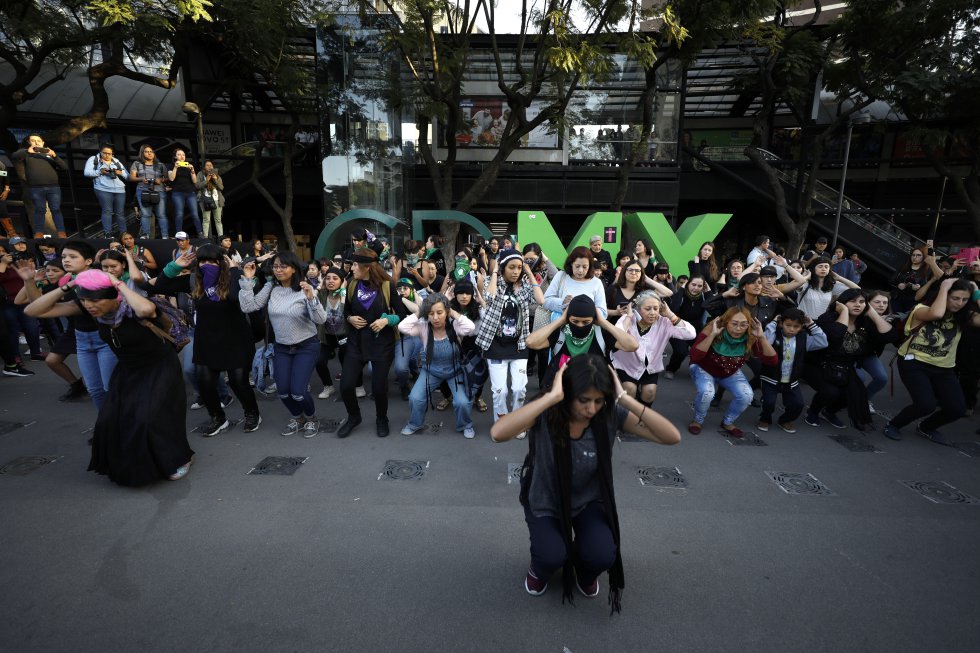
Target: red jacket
x,y
722,367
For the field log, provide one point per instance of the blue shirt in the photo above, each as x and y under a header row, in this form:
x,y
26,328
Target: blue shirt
x,y
107,183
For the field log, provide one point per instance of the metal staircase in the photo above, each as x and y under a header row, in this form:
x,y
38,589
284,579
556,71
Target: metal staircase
x,y
876,239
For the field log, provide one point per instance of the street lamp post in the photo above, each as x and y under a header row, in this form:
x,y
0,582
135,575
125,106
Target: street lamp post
x,y
859,118
191,109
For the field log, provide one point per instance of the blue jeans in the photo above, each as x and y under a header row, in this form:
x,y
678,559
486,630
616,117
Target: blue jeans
x,y
113,206
407,350
425,385
18,322
50,195
736,384
294,368
147,210
188,200
872,368
96,362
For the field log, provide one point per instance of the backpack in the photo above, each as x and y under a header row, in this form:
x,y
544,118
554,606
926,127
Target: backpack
x,y
170,323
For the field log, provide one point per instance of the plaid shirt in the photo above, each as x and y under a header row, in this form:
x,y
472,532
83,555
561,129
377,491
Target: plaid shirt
x,y
491,319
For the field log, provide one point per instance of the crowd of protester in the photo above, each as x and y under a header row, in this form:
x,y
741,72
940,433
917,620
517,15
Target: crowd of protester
x,y
598,332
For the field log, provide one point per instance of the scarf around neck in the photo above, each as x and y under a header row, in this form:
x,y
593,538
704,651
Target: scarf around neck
x,y
729,346
577,346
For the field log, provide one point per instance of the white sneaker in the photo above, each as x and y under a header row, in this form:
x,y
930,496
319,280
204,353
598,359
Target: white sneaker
x,y
871,408
469,433
327,391
197,405
522,435
360,392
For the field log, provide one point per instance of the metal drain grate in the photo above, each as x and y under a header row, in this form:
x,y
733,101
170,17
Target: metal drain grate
x,y
940,492
857,445
661,477
514,473
277,466
798,483
749,439
330,425
404,470
7,427
26,464
971,449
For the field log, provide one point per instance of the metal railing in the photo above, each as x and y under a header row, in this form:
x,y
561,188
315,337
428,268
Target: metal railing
x,y
823,193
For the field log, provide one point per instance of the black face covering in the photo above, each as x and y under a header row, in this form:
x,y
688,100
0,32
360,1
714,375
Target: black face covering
x,y
581,306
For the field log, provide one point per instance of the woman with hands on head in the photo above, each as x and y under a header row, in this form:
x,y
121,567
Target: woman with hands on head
x,y
721,349
509,293
652,324
575,279
140,435
440,329
294,313
222,340
578,331
567,483
927,360
853,333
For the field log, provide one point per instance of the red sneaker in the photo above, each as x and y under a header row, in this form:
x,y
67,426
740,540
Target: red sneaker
x,y
590,591
534,585
733,430
694,428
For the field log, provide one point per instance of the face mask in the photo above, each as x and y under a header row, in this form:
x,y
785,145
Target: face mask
x,y
412,260
580,331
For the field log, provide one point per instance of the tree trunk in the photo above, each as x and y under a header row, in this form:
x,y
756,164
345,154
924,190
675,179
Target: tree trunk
x,y
967,190
284,212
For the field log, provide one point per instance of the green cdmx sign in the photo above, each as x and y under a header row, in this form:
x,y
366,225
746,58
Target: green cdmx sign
x,y
673,248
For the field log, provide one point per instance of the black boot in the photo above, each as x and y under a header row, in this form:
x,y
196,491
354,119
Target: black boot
x,y
349,425
75,391
382,425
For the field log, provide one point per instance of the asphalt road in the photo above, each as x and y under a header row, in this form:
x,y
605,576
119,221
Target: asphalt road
x,y
336,557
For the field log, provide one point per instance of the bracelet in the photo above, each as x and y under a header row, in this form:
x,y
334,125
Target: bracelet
x,y
620,396
535,285
65,289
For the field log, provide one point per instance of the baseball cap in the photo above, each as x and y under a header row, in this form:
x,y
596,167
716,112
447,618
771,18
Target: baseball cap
x,y
181,235
768,271
822,240
16,240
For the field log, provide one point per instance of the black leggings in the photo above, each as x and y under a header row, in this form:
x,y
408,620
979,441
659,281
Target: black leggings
x,y
350,377
207,381
930,386
327,352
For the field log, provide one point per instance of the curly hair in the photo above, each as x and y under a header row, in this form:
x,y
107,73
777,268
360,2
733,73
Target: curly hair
x,y
574,255
430,301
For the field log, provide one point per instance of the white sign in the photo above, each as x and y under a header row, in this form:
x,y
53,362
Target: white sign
x,y
217,138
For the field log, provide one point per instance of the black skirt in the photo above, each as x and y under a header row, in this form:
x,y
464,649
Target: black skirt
x,y
141,433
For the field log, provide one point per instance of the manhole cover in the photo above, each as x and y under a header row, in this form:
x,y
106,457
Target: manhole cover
x,y
26,464
939,492
857,445
661,477
971,449
7,427
404,470
330,425
749,439
278,466
431,427
514,473
797,483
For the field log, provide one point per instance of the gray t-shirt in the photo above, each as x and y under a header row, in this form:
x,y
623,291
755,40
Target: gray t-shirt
x,y
543,494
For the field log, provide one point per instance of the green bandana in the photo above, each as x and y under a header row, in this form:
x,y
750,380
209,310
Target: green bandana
x,y
461,270
576,346
729,346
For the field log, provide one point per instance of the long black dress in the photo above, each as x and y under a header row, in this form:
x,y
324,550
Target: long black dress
x,y
141,434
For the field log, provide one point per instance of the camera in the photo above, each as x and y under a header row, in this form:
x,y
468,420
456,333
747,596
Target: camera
x,y
20,256
3,173
41,150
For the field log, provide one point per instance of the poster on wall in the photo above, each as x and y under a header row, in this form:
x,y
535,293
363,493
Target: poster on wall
x,y
217,138
484,121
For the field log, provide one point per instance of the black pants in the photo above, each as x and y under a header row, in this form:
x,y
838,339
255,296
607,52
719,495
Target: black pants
x,y
930,386
792,402
7,350
350,377
207,382
595,550
328,350
679,350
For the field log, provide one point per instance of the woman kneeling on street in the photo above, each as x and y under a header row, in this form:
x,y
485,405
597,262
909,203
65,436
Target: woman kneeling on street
x,y
567,481
717,357
440,331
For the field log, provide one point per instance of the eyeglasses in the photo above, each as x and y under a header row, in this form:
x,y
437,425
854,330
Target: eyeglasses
x,y
279,267
739,325
633,271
